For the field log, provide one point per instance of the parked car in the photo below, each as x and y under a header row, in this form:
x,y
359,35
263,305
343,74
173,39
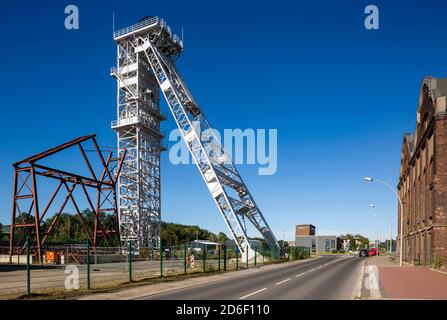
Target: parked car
x,y
373,252
363,253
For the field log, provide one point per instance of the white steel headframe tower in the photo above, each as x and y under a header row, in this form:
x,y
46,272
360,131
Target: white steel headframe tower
x,y
138,130
156,47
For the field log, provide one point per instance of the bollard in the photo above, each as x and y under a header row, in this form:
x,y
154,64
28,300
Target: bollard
x,y
184,258
87,258
225,258
129,259
28,273
161,261
255,257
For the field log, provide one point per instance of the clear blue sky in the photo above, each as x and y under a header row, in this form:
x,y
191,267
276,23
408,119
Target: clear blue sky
x,y
340,96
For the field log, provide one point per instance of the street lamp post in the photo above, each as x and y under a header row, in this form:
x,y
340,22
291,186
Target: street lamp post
x,y
401,213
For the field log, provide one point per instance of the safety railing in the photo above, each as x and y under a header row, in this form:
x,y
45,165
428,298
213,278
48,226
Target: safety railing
x,y
137,26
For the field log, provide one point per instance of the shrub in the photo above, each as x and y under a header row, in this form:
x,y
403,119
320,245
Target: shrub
x,y
438,262
211,268
334,251
341,251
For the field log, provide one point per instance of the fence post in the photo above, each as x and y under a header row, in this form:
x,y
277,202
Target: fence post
x,y
246,257
218,257
184,258
161,261
88,265
28,274
237,258
225,258
204,258
255,257
129,259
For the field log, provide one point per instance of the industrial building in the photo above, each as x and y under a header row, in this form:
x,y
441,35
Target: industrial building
x,y
422,179
305,237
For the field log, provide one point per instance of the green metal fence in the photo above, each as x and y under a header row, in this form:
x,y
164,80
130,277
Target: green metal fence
x,y
81,266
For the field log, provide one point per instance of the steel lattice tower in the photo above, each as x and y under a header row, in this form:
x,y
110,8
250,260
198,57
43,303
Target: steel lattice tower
x,y
138,130
146,63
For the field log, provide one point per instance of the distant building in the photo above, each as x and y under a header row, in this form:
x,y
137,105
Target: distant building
x,y
305,230
423,178
305,237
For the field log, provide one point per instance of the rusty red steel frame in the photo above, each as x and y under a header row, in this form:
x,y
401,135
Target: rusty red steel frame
x,y
25,189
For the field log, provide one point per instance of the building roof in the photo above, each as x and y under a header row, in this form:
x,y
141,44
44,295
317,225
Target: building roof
x,y
431,89
437,87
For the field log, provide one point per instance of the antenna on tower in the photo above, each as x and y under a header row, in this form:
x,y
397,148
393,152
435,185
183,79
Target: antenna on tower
x,y
113,22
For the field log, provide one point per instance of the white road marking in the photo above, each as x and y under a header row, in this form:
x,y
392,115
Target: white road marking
x,y
319,267
299,275
312,270
253,293
278,283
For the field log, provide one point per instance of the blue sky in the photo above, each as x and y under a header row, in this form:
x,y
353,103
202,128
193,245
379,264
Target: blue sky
x,y
340,96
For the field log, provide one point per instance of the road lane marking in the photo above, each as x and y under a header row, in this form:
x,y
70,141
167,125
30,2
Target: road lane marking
x,y
299,275
312,270
319,267
278,283
251,294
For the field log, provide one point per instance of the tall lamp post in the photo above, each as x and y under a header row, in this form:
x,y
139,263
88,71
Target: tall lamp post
x,y
369,179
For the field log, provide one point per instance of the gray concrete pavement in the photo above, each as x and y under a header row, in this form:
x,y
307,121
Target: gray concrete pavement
x,y
329,277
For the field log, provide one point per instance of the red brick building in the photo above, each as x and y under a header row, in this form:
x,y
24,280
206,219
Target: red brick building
x,y
423,178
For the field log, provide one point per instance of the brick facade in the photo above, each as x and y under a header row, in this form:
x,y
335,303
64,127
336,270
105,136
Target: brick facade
x,y
423,178
304,230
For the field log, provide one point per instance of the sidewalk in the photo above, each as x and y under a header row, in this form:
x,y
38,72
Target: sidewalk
x,y
408,282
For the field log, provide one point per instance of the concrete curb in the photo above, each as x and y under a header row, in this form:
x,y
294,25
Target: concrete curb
x,y
357,291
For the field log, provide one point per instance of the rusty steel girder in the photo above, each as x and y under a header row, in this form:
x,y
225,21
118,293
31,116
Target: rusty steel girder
x,y
101,184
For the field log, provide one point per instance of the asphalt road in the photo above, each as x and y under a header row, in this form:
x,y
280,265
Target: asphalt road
x,y
325,278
